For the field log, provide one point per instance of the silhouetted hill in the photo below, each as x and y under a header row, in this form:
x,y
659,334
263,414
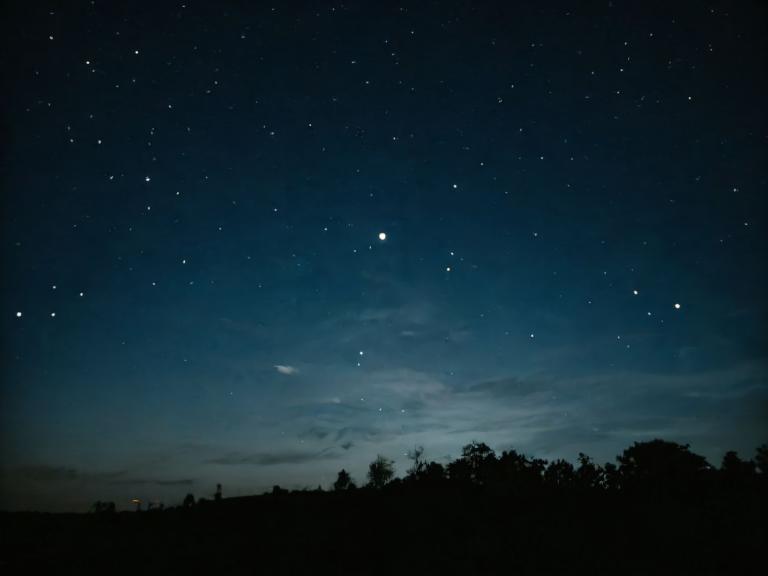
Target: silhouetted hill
x,y
662,510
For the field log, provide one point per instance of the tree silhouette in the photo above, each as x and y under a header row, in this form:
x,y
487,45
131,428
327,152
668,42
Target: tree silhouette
x,y
423,471
460,471
380,471
560,474
217,495
100,507
419,464
477,464
343,481
735,472
189,501
588,474
761,459
433,472
610,477
520,473
659,465
476,454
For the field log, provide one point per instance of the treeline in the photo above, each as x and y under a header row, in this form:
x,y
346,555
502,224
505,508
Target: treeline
x,y
655,467
658,509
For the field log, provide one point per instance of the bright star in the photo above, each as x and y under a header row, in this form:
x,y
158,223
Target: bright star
x,y
382,236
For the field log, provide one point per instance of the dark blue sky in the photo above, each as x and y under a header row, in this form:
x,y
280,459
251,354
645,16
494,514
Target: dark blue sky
x,y
194,287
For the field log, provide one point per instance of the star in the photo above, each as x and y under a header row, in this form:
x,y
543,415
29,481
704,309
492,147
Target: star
x,y
677,306
382,236
18,314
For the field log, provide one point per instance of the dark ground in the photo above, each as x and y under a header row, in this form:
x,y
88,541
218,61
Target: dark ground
x,y
403,530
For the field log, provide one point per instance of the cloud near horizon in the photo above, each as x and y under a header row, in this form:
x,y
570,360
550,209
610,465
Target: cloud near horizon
x,y
272,458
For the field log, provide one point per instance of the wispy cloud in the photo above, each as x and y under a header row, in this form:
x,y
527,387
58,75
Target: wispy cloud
x,y
42,474
287,370
272,458
55,474
316,432
156,482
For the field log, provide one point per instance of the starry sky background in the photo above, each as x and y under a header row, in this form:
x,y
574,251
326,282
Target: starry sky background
x,y
194,288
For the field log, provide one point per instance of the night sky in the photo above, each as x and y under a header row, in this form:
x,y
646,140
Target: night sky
x,y
255,244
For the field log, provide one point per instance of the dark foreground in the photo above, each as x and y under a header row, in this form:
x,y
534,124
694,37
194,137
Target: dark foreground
x,y
662,510
400,532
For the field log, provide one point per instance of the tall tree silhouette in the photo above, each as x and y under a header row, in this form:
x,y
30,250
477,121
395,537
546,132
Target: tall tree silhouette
x,y
343,481
380,471
761,459
476,465
419,463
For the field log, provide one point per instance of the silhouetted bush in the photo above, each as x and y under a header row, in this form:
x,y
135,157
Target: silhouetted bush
x,y
100,507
